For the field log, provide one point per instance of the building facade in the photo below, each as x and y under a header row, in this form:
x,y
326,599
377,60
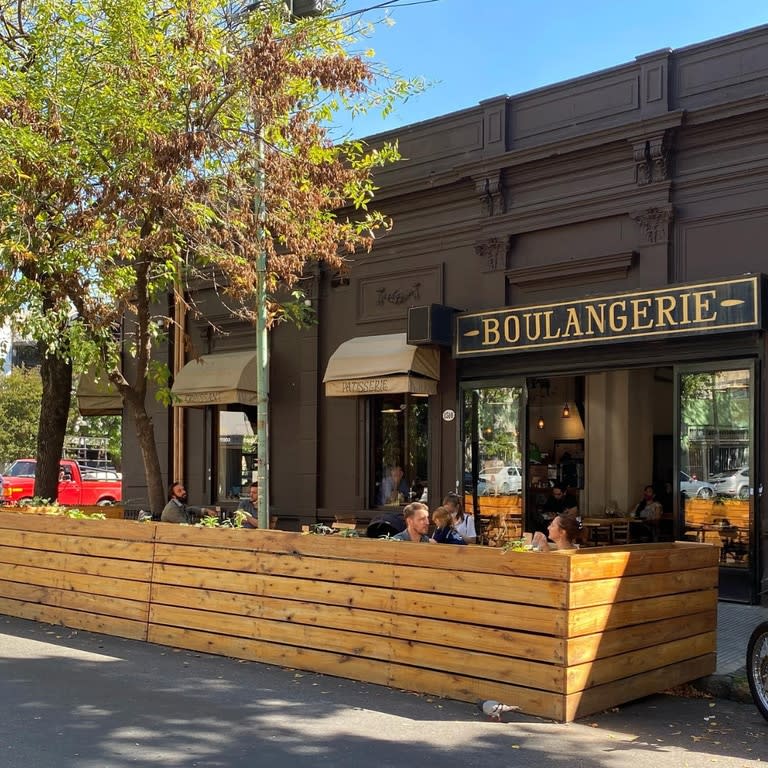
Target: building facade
x,y
582,266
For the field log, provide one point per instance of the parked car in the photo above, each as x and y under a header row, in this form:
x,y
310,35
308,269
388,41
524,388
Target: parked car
x,y
735,483
692,487
503,480
75,487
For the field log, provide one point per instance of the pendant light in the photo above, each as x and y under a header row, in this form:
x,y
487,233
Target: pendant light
x,y
566,411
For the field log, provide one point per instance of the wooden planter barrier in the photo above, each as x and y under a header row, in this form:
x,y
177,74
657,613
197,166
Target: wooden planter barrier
x,y
110,511
562,635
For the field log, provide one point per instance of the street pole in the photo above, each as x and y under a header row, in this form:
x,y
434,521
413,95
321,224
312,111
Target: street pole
x,y
297,9
262,344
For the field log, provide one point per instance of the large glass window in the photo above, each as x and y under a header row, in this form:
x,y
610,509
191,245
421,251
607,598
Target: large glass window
x,y
237,450
716,482
400,456
493,466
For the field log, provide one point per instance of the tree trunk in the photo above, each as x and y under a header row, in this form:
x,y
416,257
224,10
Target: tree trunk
x,y
56,374
145,434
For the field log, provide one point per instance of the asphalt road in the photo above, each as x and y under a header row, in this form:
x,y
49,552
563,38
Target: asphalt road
x,y
70,698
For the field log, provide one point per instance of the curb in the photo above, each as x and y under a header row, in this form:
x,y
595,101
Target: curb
x,y
733,686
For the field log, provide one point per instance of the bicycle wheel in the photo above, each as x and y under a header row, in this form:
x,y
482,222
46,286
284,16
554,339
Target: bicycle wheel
x,y
757,667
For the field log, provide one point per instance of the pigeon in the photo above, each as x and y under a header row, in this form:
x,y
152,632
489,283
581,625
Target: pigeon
x,y
495,709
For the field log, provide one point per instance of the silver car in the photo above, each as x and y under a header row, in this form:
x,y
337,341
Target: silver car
x,y
503,480
734,483
694,488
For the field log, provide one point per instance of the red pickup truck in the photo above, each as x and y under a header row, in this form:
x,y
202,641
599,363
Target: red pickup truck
x,y
77,485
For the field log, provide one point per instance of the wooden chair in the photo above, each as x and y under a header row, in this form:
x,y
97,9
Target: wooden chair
x,y
621,533
600,535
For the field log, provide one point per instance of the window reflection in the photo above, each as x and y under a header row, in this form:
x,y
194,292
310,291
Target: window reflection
x,y
715,438
237,451
399,435
493,466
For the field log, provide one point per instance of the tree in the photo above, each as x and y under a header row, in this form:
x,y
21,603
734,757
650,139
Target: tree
x,y
149,147
20,395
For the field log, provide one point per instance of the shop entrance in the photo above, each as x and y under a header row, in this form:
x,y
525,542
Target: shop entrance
x,y
686,431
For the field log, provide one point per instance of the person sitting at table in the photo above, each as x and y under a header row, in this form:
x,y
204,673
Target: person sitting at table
x,y
249,508
558,503
416,517
463,524
564,532
177,510
646,517
444,532
394,487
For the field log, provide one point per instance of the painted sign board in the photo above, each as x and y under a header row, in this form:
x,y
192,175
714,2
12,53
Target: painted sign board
x,y
718,306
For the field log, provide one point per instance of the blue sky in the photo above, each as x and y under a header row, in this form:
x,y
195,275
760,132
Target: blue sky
x,y
476,49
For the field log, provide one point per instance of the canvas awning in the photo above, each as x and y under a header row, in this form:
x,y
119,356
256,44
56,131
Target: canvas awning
x,y
378,365
218,379
97,395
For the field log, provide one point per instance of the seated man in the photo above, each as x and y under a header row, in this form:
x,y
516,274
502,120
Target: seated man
x,y
648,512
558,503
394,487
177,510
250,512
416,523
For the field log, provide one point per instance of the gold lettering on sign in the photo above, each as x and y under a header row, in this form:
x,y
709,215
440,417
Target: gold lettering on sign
x,y
640,312
705,307
512,329
572,324
532,331
665,305
617,322
548,333
491,333
595,319
701,301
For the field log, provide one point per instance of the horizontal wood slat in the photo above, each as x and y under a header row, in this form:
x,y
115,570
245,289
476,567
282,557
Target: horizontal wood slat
x,y
136,610
541,703
561,635
106,625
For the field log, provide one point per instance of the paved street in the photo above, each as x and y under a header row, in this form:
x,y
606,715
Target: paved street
x,y
70,698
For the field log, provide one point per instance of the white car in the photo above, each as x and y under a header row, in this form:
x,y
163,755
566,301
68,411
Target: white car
x,y
501,480
734,482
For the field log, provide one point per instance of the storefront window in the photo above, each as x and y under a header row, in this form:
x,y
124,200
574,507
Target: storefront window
x,y
399,434
716,484
493,467
237,450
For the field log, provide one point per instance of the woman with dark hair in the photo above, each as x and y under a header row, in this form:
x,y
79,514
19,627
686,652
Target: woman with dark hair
x,y
463,524
565,532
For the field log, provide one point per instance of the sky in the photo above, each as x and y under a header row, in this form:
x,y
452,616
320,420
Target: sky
x,y
471,50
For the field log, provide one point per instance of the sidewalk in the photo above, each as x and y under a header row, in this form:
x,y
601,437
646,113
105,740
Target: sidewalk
x,y
735,623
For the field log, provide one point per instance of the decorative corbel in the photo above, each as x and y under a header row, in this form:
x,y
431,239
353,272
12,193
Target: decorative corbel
x,y
492,254
655,224
652,158
491,191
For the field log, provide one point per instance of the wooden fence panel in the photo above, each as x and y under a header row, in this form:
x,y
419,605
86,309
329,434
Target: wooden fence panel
x,y
561,634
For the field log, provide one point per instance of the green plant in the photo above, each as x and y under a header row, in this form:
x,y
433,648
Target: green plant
x,y
515,545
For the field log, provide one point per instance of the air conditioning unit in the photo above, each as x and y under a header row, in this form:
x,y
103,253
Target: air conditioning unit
x,y
430,324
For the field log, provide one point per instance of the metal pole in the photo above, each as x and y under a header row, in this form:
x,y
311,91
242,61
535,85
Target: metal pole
x,y
262,336
262,344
